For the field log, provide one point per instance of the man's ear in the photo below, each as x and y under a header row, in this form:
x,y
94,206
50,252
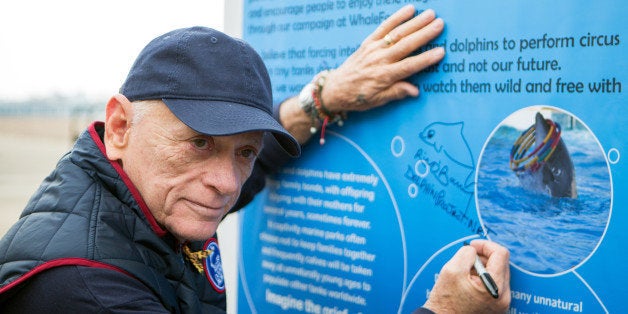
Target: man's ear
x,y
118,115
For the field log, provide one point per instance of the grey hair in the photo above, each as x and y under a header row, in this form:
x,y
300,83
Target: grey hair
x,y
140,108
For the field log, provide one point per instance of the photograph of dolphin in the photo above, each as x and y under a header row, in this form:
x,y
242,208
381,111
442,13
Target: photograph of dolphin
x,y
530,199
541,160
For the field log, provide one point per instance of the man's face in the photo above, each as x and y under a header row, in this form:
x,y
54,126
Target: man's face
x,y
188,180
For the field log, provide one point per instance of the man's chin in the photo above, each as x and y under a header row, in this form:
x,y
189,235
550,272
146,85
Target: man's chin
x,y
194,232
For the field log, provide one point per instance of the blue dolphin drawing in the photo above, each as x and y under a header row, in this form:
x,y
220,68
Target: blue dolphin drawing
x,y
458,150
448,141
541,160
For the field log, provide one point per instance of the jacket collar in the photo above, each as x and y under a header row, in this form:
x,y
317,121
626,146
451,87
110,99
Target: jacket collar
x,y
110,172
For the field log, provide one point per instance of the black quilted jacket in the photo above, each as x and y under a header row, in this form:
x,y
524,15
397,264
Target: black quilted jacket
x,y
87,213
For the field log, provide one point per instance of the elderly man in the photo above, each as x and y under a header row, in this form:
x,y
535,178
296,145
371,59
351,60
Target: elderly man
x,y
126,222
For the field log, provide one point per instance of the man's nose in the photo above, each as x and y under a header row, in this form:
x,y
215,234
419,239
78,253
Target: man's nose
x,y
222,175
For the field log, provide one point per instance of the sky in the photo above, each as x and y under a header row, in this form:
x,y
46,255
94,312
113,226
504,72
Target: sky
x,y
78,47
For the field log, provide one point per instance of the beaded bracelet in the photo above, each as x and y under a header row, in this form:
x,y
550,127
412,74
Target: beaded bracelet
x,y
312,103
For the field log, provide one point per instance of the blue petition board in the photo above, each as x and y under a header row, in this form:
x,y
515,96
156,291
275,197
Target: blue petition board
x,y
517,136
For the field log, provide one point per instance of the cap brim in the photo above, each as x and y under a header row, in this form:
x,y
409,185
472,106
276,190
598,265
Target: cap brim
x,y
218,118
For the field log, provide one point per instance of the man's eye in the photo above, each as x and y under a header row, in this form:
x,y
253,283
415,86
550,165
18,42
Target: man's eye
x,y
248,153
200,143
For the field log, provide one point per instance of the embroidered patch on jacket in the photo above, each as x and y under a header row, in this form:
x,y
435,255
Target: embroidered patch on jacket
x,y
213,266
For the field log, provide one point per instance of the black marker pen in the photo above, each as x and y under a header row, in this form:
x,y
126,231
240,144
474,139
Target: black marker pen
x,y
486,277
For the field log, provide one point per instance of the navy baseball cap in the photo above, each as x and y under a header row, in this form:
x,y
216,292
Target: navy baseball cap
x,y
214,83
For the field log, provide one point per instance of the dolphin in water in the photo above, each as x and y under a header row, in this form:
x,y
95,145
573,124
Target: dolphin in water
x,y
548,167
